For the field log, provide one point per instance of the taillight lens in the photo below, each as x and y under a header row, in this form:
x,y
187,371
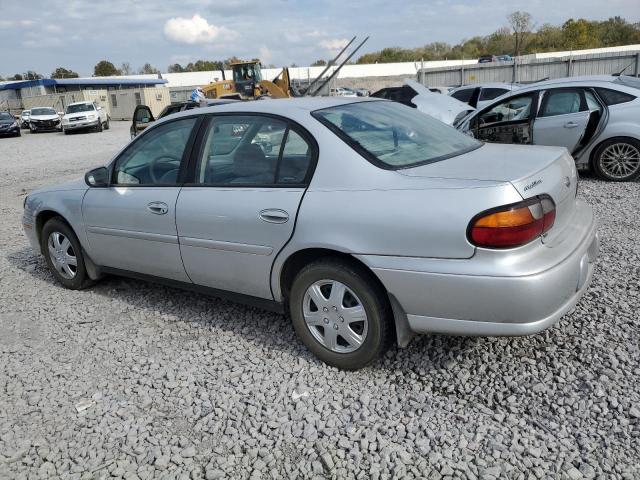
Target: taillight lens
x,y
513,225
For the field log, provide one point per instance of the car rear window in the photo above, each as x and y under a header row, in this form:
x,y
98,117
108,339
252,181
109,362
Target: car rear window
x,y
613,97
393,136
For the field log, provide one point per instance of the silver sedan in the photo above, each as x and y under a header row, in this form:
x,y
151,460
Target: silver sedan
x,y
366,220
596,118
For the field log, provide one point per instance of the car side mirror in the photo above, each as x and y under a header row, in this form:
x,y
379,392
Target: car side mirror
x,y
98,177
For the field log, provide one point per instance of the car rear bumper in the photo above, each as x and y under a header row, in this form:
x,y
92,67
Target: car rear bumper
x,y
521,293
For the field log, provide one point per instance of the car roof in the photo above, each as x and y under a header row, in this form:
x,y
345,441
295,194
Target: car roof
x,y
508,86
80,103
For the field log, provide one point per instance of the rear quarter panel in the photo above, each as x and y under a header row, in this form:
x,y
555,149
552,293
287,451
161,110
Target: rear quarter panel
x,y
354,207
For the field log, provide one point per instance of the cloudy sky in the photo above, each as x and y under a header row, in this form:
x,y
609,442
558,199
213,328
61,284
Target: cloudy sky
x,y
43,34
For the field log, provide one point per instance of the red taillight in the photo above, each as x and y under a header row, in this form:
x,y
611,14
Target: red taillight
x,y
513,225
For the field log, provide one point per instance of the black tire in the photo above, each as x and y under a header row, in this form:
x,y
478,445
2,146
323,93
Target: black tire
x,y
81,279
66,132
373,298
18,133
99,126
607,172
106,124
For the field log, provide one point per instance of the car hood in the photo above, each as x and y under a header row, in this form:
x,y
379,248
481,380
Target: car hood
x,y
44,117
442,107
496,162
78,184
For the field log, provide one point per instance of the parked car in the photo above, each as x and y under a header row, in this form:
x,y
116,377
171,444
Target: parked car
x,y
8,125
85,116
367,221
44,119
504,58
142,116
481,95
413,94
24,119
362,92
597,119
342,92
487,59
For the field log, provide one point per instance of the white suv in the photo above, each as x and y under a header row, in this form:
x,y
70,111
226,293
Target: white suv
x,y
84,116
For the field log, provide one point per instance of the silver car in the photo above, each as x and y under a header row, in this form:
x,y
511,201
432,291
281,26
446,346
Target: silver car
x,y
366,220
596,118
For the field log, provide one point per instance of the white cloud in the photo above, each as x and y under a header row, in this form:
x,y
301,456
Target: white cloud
x,y
265,56
27,23
195,30
334,45
53,28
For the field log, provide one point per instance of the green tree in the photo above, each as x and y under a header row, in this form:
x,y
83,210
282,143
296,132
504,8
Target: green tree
x,y
319,63
104,68
148,69
176,68
17,76
62,72
204,66
576,34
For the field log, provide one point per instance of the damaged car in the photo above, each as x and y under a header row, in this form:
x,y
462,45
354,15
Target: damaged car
x,y
415,95
44,119
597,119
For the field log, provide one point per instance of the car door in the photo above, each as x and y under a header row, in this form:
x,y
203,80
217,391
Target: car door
x,y
508,121
562,119
131,224
240,209
142,117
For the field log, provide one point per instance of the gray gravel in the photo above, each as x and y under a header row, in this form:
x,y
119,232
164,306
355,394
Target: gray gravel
x,y
133,380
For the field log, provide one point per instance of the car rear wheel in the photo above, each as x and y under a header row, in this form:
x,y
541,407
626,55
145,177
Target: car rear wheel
x,y
341,313
618,160
64,255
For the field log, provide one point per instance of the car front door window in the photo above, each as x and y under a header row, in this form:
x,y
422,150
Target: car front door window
x,y
155,158
506,122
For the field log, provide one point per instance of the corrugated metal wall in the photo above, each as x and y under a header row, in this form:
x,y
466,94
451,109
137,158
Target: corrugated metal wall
x,y
59,101
529,69
122,103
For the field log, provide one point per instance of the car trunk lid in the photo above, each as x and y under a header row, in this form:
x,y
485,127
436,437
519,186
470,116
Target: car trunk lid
x,y
531,170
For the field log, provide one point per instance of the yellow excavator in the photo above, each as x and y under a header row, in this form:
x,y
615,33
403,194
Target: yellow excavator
x,y
247,82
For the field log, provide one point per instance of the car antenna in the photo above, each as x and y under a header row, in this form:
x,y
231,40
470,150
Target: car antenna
x,y
622,71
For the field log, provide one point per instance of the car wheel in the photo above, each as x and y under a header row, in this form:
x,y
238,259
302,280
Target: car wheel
x,y
341,313
64,255
618,159
99,126
66,132
106,125
18,133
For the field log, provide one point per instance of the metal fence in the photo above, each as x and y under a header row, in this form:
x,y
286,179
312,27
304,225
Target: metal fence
x,y
529,69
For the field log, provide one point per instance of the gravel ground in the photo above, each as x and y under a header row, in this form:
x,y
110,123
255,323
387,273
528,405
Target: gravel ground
x,y
134,380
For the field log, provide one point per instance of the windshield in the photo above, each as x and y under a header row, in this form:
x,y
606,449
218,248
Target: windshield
x,y
43,111
80,107
5,116
392,135
246,72
628,81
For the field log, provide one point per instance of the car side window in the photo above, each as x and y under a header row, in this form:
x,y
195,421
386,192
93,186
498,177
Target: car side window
x,y
614,97
463,95
562,102
247,150
514,109
592,103
491,93
155,158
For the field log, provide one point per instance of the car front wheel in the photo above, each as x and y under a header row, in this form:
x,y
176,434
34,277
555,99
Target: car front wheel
x,y
64,256
341,313
618,160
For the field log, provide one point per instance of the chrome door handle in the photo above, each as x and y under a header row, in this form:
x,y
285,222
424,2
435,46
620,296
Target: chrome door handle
x,y
159,208
570,125
274,215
